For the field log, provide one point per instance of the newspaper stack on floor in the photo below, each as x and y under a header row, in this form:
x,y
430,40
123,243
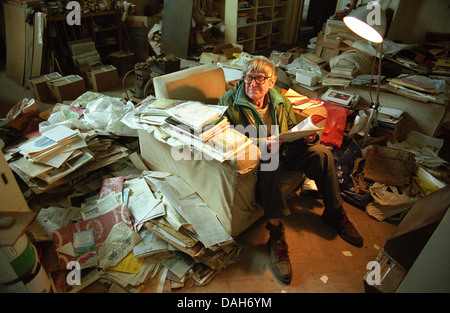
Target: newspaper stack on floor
x,y
192,228
179,233
59,154
136,227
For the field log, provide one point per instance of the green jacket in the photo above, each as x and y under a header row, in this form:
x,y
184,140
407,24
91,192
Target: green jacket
x,y
242,112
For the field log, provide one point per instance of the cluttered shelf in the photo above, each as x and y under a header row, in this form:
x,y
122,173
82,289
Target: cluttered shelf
x,y
64,17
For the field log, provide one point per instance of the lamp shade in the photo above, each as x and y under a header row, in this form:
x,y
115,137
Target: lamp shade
x,y
368,22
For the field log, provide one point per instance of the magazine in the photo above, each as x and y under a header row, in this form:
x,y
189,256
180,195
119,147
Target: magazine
x,y
305,128
196,115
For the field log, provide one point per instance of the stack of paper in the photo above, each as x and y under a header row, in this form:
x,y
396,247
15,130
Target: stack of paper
x,y
54,154
181,234
141,202
59,155
196,115
389,115
150,244
419,87
221,145
343,71
54,146
191,227
295,97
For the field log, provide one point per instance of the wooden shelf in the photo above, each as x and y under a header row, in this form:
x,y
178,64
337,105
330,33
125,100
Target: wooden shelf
x,y
276,22
51,18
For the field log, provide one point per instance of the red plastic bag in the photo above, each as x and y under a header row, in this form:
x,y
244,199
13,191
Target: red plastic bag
x,y
333,132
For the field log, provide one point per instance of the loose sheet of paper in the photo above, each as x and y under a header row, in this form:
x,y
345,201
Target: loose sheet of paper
x,y
144,209
129,264
347,253
101,206
59,133
204,221
180,186
118,244
139,188
50,219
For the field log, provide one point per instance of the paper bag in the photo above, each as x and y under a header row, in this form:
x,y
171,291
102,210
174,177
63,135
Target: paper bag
x,y
388,165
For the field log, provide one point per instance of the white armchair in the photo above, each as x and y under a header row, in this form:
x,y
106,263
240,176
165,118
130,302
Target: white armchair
x,y
228,187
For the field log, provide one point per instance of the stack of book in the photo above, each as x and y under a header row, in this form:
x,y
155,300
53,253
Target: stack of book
x,y
242,18
313,59
203,128
228,140
196,115
243,4
442,67
340,75
343,71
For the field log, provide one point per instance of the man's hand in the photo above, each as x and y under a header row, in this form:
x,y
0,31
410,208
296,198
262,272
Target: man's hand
x,y
310,138
273,144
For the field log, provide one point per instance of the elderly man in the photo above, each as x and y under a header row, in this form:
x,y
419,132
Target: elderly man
x,y
255,103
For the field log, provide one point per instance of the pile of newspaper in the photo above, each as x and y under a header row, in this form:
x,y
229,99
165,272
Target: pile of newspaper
x,y
74,140
45,160
137,227
100,207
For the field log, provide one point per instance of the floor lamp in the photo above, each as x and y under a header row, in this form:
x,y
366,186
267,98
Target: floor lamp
x,y
369,22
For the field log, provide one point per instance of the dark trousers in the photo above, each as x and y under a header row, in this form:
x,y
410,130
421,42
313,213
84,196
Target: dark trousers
x,y
317,162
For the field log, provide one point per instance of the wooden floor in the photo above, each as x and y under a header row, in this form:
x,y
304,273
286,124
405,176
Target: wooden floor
x,y
315,252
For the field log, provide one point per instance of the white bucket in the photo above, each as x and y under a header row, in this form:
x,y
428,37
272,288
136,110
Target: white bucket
x,y
20,269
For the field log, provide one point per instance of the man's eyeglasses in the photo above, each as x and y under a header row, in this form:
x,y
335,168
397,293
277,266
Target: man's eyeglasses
x,y
258,79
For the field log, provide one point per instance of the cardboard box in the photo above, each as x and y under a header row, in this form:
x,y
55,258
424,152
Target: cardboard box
x,y
389,131
221,53
82,70
296,51
12,199
103,78
66,88
38,85
307,78
331,48
166,67
285,57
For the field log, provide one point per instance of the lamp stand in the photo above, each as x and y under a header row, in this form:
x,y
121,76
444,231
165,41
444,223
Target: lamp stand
x,y
374,106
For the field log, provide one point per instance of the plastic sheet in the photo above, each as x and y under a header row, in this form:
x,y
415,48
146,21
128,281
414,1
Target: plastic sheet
x,y
105,114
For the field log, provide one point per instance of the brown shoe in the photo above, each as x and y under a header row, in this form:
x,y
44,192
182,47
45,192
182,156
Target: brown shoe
x,y
345,229
279,263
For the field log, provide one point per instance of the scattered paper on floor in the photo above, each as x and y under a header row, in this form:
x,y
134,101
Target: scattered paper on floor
x,y
347,253
120,241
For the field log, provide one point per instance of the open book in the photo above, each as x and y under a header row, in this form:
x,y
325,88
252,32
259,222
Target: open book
x,y
305,128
